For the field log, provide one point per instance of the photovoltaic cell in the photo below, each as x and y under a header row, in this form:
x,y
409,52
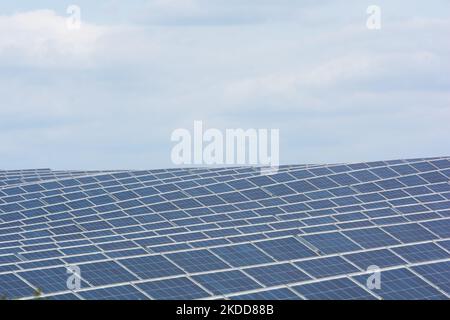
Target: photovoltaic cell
x,y
333,242
64,296
381,258
436,273
106,272
49,280
173,289
226,282
12,287
439,227
242,255
369,238
285,249
337,289
197,261
402,284
445,244
421,252
126,292
274,294
150,267
408,233
325,267
277,274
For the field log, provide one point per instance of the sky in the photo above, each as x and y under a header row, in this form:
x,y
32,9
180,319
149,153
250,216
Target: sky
x,y
109,94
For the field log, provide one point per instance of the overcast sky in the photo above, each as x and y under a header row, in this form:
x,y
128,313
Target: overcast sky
x,y
109,95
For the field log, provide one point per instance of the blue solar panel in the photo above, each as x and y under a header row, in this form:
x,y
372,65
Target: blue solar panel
x,y
197,261
277,274
255,194
242,255
241,184
337,289
274,294
64,296
226,282
106,272
402,284
150,267
12,287
421,252
412,232
285,249
279,190
333,242
404,169
369,238
439,227
381,258
126,292
325,267
172,289
301,186
49,280
445,244
436,273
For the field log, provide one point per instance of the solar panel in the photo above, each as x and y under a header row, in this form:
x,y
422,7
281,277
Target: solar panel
x,y
445,244
369,238
436,273
325,267
150,267
172,289
412,232
336,289
126,292
402,284
277,274
106,272
242,255
226,282
63,296
274,294
333,242
12,287
197,261
228,232
381,258
421,252
285,249
439,227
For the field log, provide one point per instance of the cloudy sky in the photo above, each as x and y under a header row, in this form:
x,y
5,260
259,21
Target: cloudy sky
x,y
109,95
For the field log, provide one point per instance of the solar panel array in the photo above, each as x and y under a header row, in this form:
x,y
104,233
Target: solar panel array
x,y
305,232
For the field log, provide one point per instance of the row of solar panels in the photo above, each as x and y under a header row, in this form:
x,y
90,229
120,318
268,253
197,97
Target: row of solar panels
x,y
179,199
173,216
389,230
17,178
131,178
189,174
418,281
77,230
291,249
373,235
117,233
313,245
149,195
98,249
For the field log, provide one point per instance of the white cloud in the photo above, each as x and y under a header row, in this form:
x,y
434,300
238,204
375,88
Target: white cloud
x,y
41,38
